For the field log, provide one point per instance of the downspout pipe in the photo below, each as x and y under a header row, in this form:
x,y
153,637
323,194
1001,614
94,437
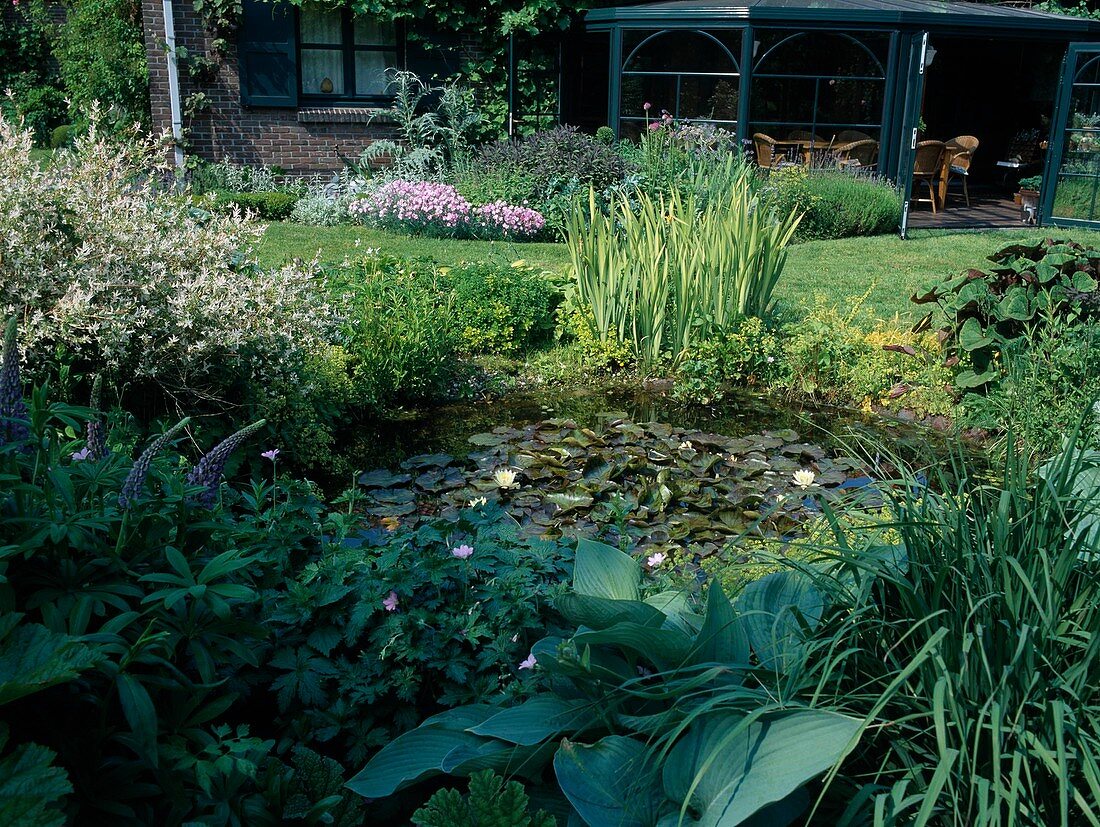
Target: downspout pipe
x,y
173,86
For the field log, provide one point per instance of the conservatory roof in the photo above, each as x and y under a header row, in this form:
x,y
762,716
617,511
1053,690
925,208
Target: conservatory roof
x,y
908,14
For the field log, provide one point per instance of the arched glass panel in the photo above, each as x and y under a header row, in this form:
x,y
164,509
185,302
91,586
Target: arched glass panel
x,y
824,87
692,74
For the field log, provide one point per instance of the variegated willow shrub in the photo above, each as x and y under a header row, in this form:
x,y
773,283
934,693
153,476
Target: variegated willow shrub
x,y
662,273
113,272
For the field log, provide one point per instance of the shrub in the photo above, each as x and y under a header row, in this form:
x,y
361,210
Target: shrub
x,y
835,204
42,109
269,206
62,136
746,354
831,358
660,276
501,309
100,53
396,357
1030,286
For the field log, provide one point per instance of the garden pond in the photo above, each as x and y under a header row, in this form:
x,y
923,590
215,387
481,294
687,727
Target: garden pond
x,y
636,468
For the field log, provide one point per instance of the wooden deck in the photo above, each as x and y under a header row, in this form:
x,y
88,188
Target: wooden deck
x,y
986,211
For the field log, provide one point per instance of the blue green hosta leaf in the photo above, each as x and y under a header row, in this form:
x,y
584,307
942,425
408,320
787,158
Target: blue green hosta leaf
x,y
30,786
603,571
776,610
609,783
602,612
425,751
33,658
665,647
537,719
723,638
728,768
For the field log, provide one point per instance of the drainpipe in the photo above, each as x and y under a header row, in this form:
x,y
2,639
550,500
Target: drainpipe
x,y
173,86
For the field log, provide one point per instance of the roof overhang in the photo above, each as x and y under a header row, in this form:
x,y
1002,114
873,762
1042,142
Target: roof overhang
x,y
926,15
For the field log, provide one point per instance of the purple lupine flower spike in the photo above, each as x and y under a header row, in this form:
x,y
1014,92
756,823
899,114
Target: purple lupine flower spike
x,y
135,480
14,419
95,434
208,472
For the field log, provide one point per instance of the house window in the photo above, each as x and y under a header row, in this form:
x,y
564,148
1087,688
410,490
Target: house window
x,y
341,56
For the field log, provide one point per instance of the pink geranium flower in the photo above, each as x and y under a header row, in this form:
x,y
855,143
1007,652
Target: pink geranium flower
x,y
390,602
462,552
528,662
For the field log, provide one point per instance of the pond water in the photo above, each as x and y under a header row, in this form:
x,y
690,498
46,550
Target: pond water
x,y
446,429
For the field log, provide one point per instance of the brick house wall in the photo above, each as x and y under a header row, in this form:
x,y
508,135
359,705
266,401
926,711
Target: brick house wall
x,y
302,141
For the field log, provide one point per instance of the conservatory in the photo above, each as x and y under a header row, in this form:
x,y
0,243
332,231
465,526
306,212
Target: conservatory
x,y
956,102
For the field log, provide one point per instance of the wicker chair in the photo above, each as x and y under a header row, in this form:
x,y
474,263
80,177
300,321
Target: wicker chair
x,y
927,167
849,136
766,154
960,153
803,135
862,154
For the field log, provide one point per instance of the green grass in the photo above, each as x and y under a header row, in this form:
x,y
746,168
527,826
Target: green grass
x,y
837,270
284,241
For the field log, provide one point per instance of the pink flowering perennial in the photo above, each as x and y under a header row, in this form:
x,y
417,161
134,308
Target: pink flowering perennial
x,y
438,209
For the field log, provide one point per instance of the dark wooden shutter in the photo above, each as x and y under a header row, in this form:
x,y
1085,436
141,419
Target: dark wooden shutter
x,y
268,55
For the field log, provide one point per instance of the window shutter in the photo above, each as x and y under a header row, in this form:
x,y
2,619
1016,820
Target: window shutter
x,y
268,55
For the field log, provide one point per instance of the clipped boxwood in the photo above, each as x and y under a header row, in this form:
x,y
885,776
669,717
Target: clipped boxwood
x,y
1028,286
270,206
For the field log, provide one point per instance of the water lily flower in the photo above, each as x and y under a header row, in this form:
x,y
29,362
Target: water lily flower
x,y
462,552
274,452
390,602
685,446
390,523
478,502
528,662
505,478
804,478
81,455
655,560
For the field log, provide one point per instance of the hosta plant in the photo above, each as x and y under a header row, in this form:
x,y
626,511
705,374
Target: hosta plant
x,y
650,713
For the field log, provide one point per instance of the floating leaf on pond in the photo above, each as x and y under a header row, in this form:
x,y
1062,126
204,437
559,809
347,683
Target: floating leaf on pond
x,y
383,479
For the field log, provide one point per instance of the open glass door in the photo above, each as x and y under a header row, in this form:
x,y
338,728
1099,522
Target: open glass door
x,y
1070,194
910,121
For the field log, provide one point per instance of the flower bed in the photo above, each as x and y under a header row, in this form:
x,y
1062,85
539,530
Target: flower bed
x,y
428,208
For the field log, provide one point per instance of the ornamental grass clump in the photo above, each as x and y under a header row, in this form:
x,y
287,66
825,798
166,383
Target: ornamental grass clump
x,y
660,274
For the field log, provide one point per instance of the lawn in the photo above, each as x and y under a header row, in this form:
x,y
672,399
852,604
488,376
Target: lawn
x,y
893,269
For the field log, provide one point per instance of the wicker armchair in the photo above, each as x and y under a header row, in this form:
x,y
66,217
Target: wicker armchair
x,y
862,154
960,153
767,156
927,167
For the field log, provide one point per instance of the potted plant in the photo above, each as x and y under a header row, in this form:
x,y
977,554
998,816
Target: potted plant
x,y
1028,197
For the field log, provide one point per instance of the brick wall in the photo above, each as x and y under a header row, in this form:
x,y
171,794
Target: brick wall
x,y
301,141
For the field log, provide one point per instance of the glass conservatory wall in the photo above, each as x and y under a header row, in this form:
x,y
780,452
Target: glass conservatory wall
x,y
693,75
831,85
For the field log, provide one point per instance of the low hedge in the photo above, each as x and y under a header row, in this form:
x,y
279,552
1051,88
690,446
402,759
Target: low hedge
x,y
270,206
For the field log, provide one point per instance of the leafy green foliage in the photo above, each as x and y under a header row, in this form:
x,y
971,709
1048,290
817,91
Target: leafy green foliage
x,y
624,759
269,206
663,275
1029,286
501,309
30,786
491,802
748,354
33,658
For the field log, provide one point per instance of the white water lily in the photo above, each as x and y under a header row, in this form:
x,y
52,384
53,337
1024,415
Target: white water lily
x,y
478,502
804,478
505,478
685,446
